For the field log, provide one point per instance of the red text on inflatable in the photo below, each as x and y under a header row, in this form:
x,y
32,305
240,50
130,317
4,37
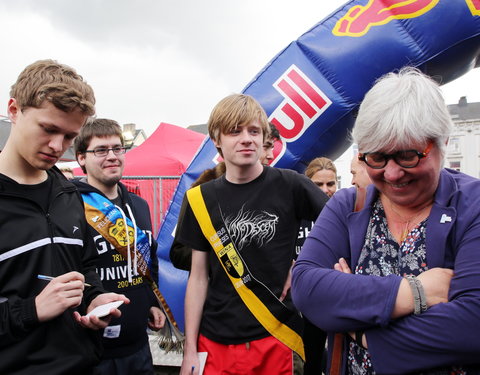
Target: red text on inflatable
x,y
302,104
359,19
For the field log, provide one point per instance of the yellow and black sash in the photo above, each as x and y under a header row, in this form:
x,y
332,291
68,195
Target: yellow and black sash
x,y
281,322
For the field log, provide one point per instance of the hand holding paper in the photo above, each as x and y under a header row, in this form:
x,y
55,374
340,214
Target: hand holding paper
x,y
104,310
101,310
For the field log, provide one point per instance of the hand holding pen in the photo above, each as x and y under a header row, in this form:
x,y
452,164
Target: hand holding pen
x,y
50,278
61,293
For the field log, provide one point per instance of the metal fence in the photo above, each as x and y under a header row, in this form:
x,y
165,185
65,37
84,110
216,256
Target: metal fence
x,y
157,191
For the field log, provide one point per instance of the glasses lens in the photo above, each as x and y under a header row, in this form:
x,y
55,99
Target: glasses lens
x,y
100,151
407,159
375,159
118,150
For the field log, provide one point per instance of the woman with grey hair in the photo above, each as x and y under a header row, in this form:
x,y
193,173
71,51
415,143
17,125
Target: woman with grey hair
x,y
401,276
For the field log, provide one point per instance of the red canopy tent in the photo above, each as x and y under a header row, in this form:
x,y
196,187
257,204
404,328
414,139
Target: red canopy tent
x,y
166,153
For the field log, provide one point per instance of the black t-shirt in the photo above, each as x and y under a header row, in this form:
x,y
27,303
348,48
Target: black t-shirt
x,y
262,217
305,228
40,193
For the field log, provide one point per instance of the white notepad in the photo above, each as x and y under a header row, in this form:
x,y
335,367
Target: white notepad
x,y
202,357
104,310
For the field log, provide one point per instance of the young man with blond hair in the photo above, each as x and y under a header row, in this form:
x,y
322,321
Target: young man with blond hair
x,y
44,328
242,229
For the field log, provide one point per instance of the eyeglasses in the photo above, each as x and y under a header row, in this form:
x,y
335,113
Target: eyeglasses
x,y
404,158
103,151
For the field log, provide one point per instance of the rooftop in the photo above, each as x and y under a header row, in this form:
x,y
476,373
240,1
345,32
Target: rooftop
x,y
464,111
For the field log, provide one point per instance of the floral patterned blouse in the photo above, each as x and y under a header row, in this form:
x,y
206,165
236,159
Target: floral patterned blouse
x,y
382,255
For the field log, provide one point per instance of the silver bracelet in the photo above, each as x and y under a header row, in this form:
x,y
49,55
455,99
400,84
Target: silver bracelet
x,y
417,305
421,293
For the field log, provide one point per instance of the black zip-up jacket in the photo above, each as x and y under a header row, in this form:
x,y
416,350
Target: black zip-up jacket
x,y
53,242
125,335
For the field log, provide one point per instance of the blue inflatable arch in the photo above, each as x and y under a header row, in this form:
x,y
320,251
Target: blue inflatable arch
x,y
312,89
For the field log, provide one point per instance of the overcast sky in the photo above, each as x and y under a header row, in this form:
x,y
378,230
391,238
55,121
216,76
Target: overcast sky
x,y
152,61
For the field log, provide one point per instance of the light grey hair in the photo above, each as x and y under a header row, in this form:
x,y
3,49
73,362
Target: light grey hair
x,y
400,110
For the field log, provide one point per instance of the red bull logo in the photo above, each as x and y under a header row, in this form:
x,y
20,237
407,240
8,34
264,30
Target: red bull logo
x,y
303,103
359,19
474,6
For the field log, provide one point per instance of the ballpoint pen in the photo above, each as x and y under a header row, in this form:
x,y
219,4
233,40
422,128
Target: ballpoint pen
x,y
193,368
48,278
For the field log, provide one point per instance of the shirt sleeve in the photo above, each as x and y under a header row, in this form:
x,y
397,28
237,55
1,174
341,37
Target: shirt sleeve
x,y
180,254
18,317
189,231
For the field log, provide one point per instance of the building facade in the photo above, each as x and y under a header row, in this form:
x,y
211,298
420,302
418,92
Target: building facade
x,y
463,151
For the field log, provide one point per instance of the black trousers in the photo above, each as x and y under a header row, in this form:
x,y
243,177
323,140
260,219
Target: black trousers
x,y
139,363
315,355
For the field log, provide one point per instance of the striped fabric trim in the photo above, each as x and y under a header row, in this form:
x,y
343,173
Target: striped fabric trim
x,y
68,241
36,244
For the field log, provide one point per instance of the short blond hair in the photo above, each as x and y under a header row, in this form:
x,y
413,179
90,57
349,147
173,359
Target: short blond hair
x,y
235,110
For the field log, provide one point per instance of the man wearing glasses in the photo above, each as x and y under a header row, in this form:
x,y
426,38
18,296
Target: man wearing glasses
x,y
121,230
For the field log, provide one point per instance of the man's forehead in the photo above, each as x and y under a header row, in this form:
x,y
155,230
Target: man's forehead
x,y
106,140
66,122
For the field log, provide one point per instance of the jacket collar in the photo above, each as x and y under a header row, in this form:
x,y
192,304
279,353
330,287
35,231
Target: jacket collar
x,y
441,220
59,184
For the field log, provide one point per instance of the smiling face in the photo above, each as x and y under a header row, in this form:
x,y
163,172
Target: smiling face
x,y
409,187
106,171
242,146
40,136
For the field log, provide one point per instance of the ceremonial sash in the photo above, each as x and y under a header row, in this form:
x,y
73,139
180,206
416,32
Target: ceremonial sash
x,y
281,322
108,220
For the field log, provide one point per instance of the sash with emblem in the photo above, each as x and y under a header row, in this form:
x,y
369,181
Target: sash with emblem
x,y
108,220
280,321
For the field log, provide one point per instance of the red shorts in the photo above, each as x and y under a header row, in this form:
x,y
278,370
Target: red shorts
x,y
266,356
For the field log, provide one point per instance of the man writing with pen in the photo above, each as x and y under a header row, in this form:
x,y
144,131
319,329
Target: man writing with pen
x,y
44,327
50,278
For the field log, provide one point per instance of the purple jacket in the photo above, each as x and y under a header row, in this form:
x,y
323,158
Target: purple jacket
x,y
446,334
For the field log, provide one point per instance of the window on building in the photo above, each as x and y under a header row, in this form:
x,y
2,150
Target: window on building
x,y
454,145
455,164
